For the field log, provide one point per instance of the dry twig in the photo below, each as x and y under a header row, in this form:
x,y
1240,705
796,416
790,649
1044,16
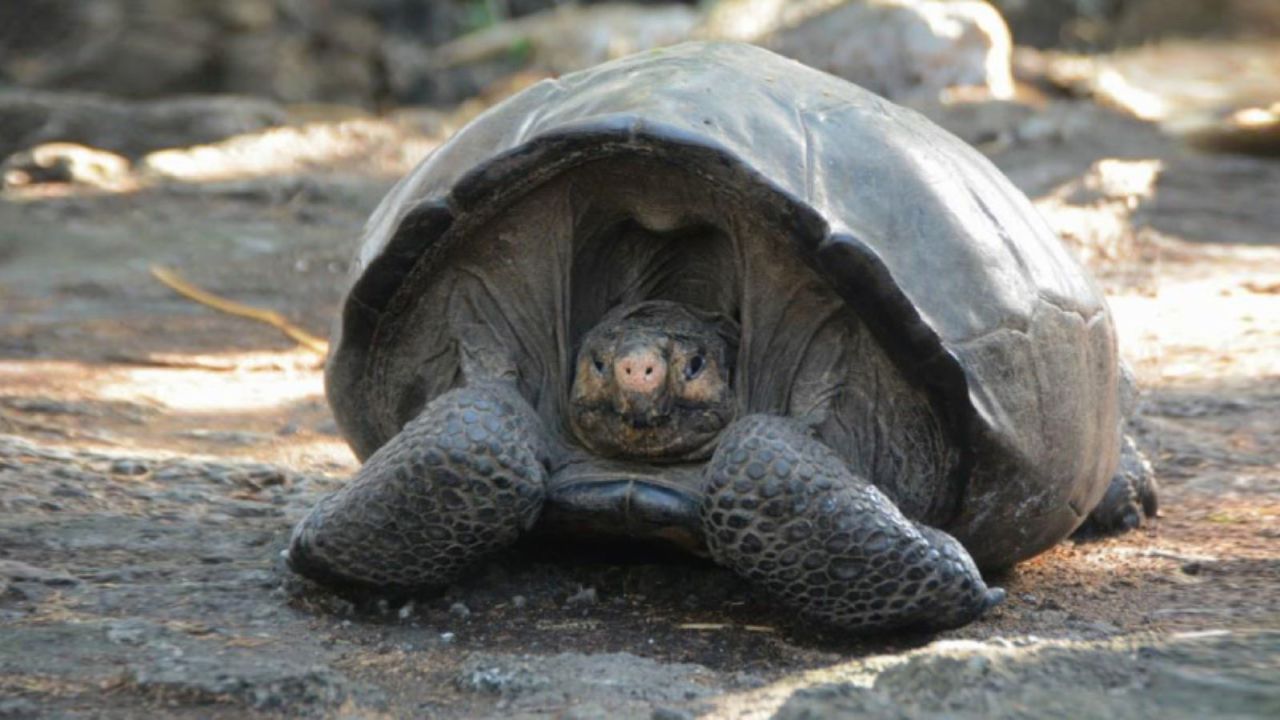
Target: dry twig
x,y
231,307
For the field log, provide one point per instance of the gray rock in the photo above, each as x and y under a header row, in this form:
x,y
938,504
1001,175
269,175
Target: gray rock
x,y
902,49
626,684
842,700
260,683
160,662
406,611
500,679
1194,675
460,611
69,491
584,597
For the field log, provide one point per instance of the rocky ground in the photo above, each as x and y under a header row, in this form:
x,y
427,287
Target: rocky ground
x,y
154,454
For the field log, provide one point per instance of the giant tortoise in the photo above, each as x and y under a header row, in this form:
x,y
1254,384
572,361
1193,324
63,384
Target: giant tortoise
x,y
710,296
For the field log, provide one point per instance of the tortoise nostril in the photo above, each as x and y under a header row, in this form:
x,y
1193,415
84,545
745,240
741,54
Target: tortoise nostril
x,y
640,370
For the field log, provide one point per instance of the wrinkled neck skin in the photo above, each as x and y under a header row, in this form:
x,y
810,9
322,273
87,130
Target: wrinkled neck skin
x,y
653,382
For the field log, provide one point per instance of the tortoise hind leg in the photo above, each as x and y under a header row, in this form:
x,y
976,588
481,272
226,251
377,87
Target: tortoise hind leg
x,y
1131,497
783,509
461,480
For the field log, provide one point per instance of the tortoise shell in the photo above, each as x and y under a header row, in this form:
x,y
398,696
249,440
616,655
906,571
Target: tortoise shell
x,y
890,283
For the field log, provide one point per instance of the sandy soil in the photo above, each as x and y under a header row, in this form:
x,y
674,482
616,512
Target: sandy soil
x,y
154,455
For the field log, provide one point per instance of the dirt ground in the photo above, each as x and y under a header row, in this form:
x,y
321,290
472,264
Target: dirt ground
x,y
154,455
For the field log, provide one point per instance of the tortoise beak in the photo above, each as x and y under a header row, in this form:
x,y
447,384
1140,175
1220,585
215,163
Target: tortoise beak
x,y
646,420
644,410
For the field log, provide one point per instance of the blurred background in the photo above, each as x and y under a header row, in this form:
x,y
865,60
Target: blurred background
x,y
381,55
156,444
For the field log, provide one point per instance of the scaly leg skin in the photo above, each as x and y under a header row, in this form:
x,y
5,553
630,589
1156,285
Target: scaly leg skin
x,y
460,481
784,510
1131,496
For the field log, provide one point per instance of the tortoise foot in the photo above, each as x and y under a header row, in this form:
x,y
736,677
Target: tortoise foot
x,y
782,509
1131,498
460,481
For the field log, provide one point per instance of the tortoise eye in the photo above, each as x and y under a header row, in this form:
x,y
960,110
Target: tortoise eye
x,y
696,363
598,365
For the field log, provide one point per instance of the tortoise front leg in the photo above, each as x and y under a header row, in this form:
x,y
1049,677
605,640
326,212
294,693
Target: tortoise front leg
x,y
460,481
783,509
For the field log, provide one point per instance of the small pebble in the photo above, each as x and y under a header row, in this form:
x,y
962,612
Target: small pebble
x,y
69,473
460,611
584,596
128,467
447,638
69,491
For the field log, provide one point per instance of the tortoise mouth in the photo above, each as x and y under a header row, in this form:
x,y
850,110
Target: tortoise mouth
x,y
680,433
642,421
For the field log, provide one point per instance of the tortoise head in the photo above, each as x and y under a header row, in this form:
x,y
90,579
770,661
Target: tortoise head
x,y
652,382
